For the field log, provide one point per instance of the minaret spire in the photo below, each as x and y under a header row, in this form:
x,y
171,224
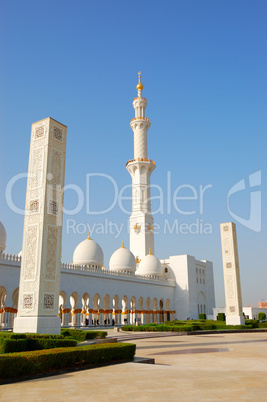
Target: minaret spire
x,y
140,169
139,86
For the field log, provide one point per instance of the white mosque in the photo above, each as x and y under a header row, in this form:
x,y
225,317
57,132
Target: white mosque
x,y
137,286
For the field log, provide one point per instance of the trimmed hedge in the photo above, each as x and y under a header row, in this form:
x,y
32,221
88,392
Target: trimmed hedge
x,y
160,328
202,316
44,361
81,335
252,323
193,325
44,343
221,317
8,345
12,345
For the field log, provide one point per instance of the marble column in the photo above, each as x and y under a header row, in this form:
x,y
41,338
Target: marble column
x,y
41,251
232,284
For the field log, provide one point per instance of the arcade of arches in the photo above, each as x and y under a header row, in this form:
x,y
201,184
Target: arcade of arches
x,y
96,309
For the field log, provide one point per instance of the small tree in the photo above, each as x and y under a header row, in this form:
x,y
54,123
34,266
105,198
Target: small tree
x,y
261,316
221,317
202,316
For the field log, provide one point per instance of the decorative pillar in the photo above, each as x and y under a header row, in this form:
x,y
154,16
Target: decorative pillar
x,y
231,273
65,317
41,252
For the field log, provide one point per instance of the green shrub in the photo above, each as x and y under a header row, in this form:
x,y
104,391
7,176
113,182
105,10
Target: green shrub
x,y
221,317
22,342
262,324
45,336
42,361
81,335
261,316
202,316
252,323
46,343
95,334
8,345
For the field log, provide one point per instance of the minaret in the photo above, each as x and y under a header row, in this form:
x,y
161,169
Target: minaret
x,y
140,168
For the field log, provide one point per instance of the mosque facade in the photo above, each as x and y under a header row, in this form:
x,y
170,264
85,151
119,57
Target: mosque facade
x,y
136,287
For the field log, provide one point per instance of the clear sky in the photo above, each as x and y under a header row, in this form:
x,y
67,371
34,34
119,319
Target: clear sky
x,y
203,68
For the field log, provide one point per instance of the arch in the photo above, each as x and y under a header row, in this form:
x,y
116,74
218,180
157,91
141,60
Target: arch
x,y
96,307
168,304
148,303
133,308
155,306
96,301
74,300
116,310
3,296
15,298
134,170
74,317
148,310
124,302
125,311
62,298
85,301
141,303
161,313
106,302
168,307
116,302
155,303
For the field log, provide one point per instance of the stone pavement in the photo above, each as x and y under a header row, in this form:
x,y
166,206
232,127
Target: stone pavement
x,y
220,367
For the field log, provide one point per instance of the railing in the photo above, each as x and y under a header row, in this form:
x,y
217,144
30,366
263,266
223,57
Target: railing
x,y
100,271
10,257
142,97
105,271
141,118
141,160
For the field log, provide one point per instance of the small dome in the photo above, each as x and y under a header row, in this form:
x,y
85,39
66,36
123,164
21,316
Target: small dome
x,y
122,260
150,266
2,237
88,252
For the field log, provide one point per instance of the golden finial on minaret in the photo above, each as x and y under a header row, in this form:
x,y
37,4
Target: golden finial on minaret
x,y
122,244
139,85
89,238
149,251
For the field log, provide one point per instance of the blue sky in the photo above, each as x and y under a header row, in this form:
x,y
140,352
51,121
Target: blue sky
x,y
203,68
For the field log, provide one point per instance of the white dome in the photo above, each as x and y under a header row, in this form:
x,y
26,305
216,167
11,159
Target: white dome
x,y
88,252
122,260
2,237
150,266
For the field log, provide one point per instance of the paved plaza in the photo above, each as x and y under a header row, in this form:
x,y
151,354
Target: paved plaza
x,y
217,367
